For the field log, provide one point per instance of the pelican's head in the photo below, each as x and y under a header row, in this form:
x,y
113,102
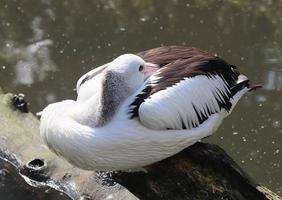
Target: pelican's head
x,y
129,67
133,69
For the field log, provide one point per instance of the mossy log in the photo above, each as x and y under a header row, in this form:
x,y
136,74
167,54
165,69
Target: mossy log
x,y
23,153
202,171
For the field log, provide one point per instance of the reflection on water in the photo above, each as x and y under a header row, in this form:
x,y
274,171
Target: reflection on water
x,y
274,73
274,80
46,45
33,60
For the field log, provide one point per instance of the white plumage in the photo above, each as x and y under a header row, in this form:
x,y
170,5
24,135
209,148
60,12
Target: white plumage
x,y
176,106
145,125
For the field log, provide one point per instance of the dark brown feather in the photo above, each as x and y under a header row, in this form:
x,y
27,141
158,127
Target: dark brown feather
x,y
178,63
168,54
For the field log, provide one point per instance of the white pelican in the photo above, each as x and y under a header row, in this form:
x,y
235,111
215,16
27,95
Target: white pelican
x,y
130,113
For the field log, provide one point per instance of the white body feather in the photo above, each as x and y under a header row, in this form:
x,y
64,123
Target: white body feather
x,y
123,143
173,106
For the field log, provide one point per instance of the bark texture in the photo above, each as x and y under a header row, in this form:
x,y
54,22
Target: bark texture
x,y
202,171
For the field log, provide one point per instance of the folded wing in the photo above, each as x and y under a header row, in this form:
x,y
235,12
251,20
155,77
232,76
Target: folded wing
x,y
187,89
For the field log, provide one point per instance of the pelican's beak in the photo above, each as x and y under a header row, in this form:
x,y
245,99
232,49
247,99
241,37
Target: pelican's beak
x,y
90,75
150,69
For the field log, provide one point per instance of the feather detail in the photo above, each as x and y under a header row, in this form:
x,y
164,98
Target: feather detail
x,y
190,86
185,105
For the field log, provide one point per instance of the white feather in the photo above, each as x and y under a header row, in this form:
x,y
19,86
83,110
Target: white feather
x,y
120,145
170,107
68,128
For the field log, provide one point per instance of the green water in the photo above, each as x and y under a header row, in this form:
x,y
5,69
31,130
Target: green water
x,y
46,45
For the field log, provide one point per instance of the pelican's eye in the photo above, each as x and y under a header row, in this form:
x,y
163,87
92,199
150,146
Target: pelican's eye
x,y
141,67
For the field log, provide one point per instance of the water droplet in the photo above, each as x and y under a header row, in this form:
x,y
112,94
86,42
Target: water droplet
x,y
244,139
122,29
3,67
235,133
276,124
61,51
276,151
261,98
143,19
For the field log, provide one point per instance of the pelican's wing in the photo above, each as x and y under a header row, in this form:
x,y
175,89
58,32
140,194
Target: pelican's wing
x,y
186,92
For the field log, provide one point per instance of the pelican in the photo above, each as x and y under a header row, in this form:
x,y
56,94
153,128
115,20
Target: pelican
x,y
140,109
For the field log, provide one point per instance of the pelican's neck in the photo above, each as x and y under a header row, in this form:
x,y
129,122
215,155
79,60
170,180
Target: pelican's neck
x,y
99,98
63,134
98,108
67,129
113,93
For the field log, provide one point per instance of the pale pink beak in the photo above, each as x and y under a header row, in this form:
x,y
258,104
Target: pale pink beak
x,y
150,69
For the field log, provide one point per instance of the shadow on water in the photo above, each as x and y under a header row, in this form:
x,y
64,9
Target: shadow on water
x,y
46,45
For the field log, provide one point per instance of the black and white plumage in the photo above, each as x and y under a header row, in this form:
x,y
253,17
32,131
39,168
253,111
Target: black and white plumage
x,y
190,87
126,117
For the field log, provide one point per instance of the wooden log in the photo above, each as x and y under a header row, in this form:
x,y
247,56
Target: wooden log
x,y
24,157
202,171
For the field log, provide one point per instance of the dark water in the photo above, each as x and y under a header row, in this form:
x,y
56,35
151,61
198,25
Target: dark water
x,y
45,45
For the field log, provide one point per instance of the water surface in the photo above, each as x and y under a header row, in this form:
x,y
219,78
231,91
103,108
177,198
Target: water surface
x,y
45,45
